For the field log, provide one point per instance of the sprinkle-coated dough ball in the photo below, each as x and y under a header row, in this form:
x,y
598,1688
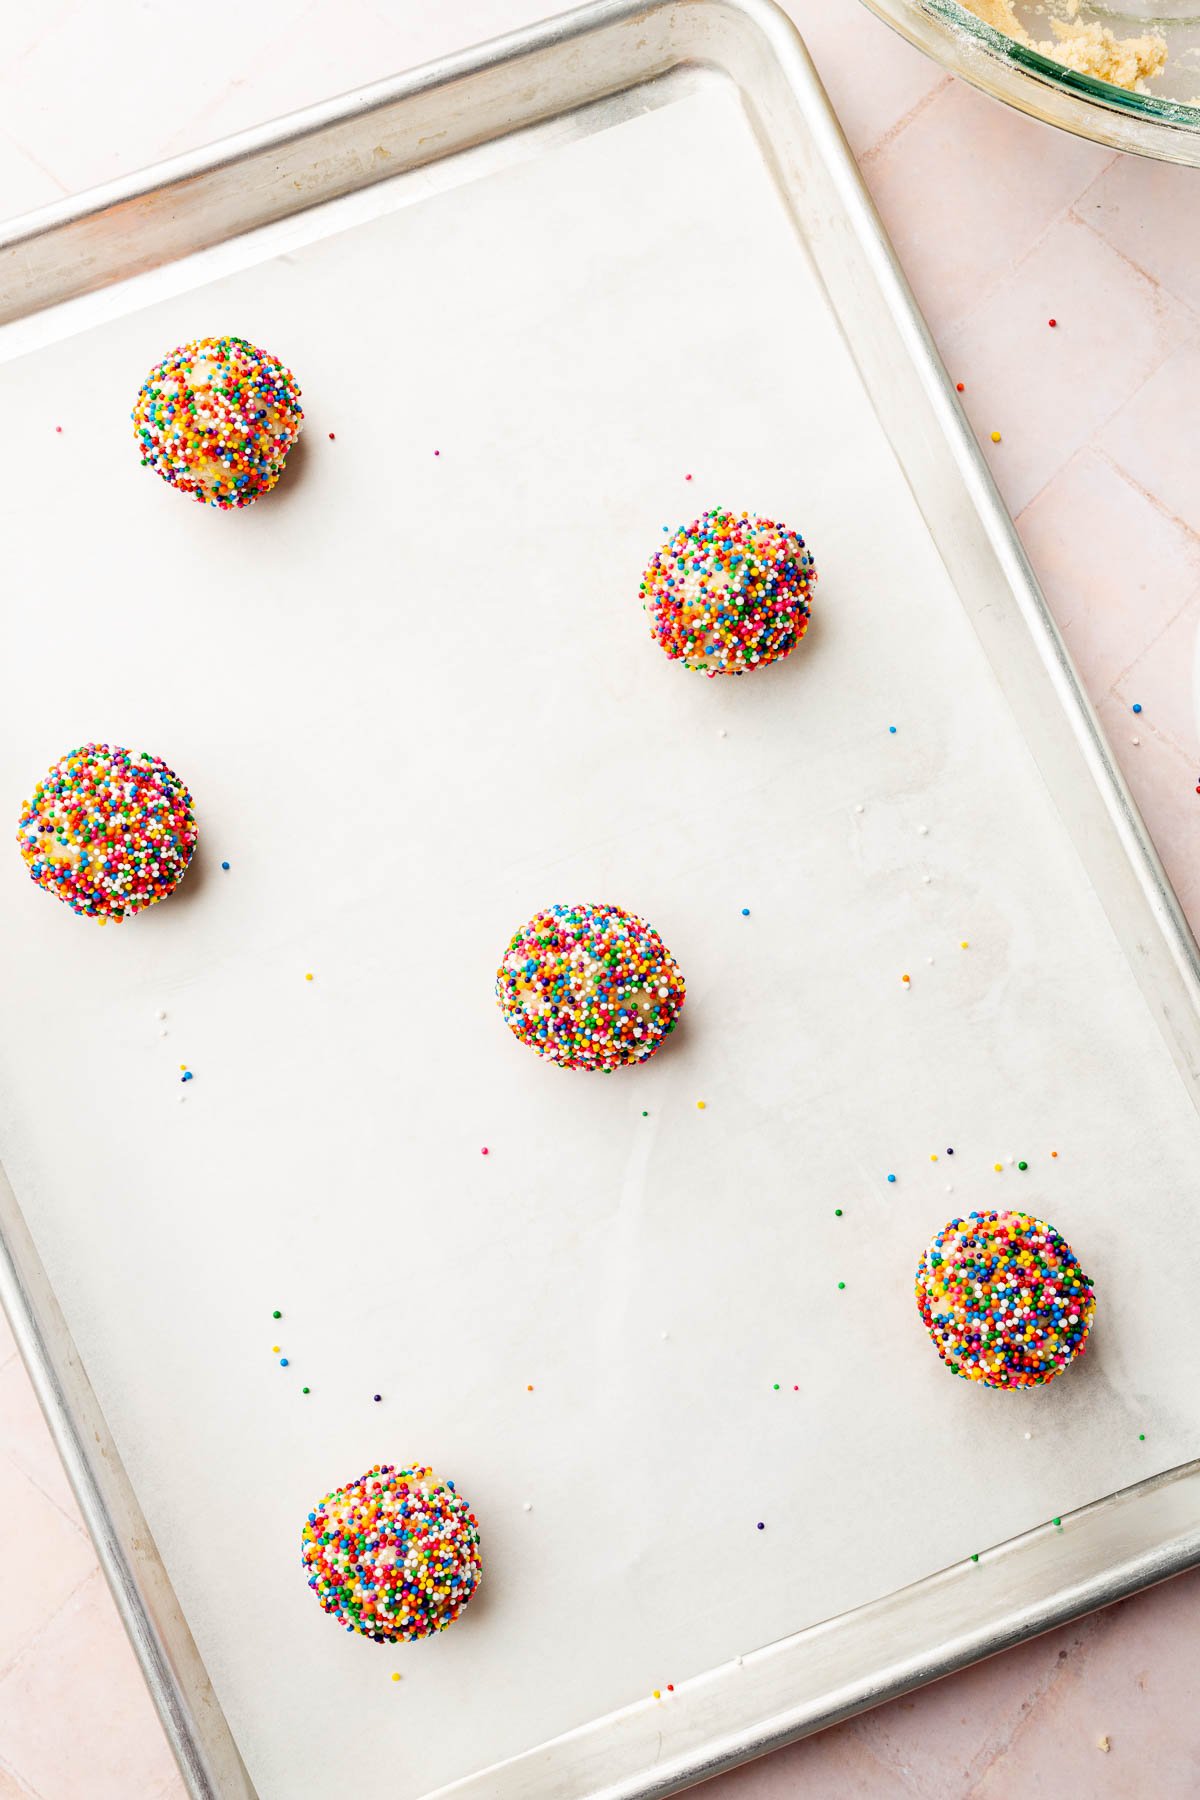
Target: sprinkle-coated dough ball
x,y
729,593
1004,1299
108,831
393,1555
217,418
589,987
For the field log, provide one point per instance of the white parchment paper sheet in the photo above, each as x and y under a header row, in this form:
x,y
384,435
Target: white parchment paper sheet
x,y
415,699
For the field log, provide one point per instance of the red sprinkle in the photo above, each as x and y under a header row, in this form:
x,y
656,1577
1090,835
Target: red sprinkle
x,y
332,436
960,386
484,1151
1053,322
59,429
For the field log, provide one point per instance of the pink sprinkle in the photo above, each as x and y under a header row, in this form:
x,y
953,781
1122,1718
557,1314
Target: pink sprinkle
x,y
484,1151
687,478
437,453
58,428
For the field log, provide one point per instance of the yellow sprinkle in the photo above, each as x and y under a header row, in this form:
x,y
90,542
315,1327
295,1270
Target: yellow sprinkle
x,y
932,1157
395,1675
657,1694
998,1168
308,978
995,437
702,1104
964,945
183,1065
274,1349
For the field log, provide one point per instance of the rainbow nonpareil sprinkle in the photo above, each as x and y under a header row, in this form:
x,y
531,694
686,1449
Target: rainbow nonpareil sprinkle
x,y
216,419
108,831
1004,1299
729,593
394,1555
589,987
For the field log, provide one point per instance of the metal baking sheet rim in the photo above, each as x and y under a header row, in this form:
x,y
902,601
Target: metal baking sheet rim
x,y
829,1671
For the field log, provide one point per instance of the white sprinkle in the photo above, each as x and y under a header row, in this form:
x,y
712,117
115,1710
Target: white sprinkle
x,y
927,879
859,807
665,1334
922,831
1028,1435
160,1014
721,732
949,1187
1135,740
528,1506
738,1661
1008,1159
163,1032
929,960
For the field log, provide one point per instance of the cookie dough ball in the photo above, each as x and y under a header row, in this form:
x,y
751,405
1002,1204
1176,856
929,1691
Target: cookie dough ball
x,y
216,419
729,593
1004,1299
393,1555
589,987
108,831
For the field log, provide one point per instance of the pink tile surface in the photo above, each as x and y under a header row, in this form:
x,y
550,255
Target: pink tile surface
x,y
81,1736
967,189
1154,436
1001,224
1047,389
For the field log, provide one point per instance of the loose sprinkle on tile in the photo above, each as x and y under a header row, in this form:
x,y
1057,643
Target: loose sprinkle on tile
x,y
995,437
1137,706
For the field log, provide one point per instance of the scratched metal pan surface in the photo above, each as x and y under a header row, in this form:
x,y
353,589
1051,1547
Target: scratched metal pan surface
x,y
543,299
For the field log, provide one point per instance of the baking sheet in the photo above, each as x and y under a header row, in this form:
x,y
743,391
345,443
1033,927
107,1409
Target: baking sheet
x,y
415,700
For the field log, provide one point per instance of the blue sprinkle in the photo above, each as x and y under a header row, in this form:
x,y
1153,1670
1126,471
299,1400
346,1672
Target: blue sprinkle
x,y
761,1526
224,865
283,1362
892,729
745,912
186,1077
1137,706
891,1178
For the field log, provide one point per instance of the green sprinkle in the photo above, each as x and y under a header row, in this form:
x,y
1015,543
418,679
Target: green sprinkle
x,y
837,1212
975,1558
1057,1521
841,1284
775,1385
277,1315
1141,1437
645,1115
1022,1165
304,1390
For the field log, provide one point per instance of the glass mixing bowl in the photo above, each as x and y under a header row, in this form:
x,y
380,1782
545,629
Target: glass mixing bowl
x,y
1163,122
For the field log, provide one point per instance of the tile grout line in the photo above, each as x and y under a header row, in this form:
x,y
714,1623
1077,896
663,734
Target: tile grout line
x,y
893,131
31,1643
6,1768
1164,287
1132,480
